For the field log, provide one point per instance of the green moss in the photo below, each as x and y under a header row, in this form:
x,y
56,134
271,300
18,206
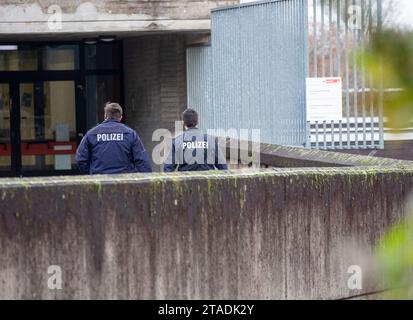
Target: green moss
x,y
209,191
98,187
234,182
25,183
156,188
313,176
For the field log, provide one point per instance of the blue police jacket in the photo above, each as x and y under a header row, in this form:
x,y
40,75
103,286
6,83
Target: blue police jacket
x,y
195,151
112,147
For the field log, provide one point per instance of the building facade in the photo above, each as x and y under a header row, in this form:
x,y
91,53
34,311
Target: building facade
x,y
60,61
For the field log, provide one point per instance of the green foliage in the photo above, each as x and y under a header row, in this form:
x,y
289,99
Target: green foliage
x,y
394,256
390,59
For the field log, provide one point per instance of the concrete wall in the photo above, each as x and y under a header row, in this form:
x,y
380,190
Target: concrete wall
x,y
155,83
271,155
264,155
272,234
83,16
402,149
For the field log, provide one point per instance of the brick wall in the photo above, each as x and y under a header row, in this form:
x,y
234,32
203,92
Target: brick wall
x,y
155,83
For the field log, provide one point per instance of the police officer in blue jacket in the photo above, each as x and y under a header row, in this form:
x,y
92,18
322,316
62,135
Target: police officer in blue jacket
x,y
193,150
112,147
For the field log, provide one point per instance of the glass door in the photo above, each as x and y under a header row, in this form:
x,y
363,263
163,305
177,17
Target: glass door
x,y
47,126
5,133
50,95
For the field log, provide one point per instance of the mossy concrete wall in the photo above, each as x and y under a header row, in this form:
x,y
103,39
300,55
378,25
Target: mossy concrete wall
x,y
269,234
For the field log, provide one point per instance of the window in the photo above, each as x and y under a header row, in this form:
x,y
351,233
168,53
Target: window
x,y
103,56
18,58
99,90
65,57
103,79
27,58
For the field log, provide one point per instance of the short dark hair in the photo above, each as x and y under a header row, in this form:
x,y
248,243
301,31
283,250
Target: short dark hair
x,y
190,118
113,110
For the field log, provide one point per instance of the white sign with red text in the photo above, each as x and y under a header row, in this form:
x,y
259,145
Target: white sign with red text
x,y
324,99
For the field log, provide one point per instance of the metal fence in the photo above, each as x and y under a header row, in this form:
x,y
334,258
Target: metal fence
x,y
253,74
259,65
340,31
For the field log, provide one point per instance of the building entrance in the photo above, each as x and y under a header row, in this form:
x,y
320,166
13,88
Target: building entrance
x,y
49,97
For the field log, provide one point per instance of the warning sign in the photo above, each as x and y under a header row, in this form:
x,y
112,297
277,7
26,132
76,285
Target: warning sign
x,y
324,99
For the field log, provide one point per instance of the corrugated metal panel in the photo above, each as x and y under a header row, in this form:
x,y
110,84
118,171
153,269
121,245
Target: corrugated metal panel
x,y
260,62
199,83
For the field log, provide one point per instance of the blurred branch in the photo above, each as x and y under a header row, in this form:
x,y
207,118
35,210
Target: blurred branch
x,y
390,60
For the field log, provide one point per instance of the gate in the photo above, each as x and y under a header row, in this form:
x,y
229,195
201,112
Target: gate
x,y
340,31
252,76
249,90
